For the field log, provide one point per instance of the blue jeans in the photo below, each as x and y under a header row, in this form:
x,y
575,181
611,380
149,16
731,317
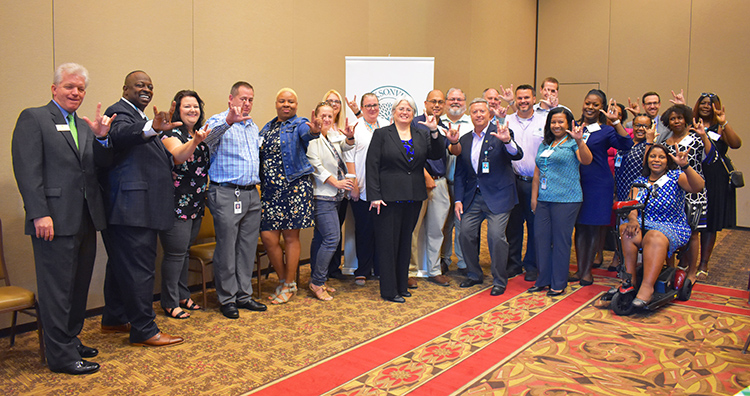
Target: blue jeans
x,y
326,237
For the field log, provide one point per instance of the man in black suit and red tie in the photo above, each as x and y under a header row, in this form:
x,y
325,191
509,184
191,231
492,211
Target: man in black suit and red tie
x,y
485,189
54,157
138,198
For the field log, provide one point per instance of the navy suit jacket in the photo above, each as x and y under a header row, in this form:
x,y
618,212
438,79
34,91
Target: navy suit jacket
x,y
498,187
138,186
53,175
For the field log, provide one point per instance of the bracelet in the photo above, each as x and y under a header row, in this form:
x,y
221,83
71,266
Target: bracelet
x,y
724,124
684,167
616,122
358,113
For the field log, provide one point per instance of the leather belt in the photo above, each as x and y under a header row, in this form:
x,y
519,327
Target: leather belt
x,y
524,178
232,185
436,177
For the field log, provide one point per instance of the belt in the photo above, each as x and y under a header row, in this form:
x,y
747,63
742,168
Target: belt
x,y
436,177
236,186
524,178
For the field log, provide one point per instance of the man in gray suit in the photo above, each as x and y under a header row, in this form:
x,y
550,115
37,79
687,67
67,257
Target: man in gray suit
x,y
54,154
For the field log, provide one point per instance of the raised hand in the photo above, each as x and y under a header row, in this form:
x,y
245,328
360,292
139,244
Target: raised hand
x,y
503,133
576,133
506,94
200,135
315,124
430,122
651,134
499,112
612,110
698,127
680,157
721,114
163,121
101,123
352,104
452,134
235,115
634,107
348,130
678,98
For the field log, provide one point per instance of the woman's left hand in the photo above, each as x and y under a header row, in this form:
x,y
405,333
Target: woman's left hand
x,y
376,204
721,115
430,122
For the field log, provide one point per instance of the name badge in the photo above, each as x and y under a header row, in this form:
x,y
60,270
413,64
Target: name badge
x,y
543,182
663,179
686,140
546,153
62,127
586,136
485,166
593,128
618,160
713,135
539,133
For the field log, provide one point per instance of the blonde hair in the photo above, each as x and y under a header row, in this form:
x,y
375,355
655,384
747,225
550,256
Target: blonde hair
x,y
340,119
282,90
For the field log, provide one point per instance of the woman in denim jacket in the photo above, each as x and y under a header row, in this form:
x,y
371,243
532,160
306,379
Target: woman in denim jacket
x,y
286,189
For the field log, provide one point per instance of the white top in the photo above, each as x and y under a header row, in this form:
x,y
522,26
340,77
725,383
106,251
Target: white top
x,y
362,137
528,133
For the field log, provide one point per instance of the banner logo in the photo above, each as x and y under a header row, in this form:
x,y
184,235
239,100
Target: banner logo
x,y
387,94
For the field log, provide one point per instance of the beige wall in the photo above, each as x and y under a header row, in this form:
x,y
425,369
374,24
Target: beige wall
x,y
628,47
208,45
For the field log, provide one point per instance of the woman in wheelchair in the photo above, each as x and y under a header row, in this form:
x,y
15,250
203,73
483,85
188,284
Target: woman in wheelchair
x,y
662,220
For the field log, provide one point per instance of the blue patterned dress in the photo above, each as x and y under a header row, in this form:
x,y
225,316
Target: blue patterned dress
x,y
630,169
665,210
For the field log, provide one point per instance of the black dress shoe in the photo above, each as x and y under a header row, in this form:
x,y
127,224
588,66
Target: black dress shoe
x,y
497,290
405,294
252,305
230,311
573,278
530,276
78,368
87,352
397,299
513,272
552,293
536,289
470,282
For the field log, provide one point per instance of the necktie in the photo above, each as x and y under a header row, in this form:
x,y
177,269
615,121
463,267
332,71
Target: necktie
x,y
73,129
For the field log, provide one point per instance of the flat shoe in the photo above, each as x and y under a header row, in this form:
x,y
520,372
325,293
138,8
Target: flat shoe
x,y
181,315
555,293
252,305
497,290
405,294
701,276
160,339
360,280
87,352
78,368
536,289
639,304
230,311
397,299
122,328
470,282
584,282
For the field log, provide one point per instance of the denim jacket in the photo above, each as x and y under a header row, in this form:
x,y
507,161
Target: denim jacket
x,y
295,136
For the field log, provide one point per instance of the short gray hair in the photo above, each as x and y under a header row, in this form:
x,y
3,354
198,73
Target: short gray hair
x,y
479,100
455,89
72,69
408,100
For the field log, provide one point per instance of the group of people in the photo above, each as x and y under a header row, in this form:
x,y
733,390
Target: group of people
x,y
419,187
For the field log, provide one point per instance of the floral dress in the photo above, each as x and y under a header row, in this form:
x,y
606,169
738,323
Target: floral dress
x,y
285,205
190,180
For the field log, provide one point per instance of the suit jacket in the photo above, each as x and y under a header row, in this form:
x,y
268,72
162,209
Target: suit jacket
x,y
138,186
390,176
53,175
498,187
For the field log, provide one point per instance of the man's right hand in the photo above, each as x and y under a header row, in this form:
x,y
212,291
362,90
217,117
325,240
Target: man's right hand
x,y
459,210
235,115
44,228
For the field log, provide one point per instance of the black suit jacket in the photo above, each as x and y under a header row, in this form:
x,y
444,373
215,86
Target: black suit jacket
x,y
390,176
53,175
138,186
498,187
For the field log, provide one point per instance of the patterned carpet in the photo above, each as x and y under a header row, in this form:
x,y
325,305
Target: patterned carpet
x,y
442,341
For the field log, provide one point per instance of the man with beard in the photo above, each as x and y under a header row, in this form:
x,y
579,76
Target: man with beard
x,y
138,199
427,238
454,118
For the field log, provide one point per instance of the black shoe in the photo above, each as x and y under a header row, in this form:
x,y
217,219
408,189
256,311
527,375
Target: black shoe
x,y
252,305
573,278
530,276
397,299
470,282
553,293
405,294
584,282
230,311
597,265
337,275
78,368
537,289
462,271
87,352
497,290
513,272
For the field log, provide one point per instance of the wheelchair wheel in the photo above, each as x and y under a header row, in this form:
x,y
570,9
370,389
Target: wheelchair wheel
x,y
622,303
685,291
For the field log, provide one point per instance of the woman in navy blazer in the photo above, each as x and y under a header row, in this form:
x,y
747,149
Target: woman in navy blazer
x,y
396,189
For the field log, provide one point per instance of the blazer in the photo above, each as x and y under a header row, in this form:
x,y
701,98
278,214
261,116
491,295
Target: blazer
x,y
55,177
138,186
295,136
390,176
324,162
498,187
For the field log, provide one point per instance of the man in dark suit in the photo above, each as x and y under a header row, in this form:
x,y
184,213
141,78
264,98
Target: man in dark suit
x,y
54,156
485,189
138,198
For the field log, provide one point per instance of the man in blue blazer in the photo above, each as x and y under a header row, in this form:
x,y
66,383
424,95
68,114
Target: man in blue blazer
x,y
485,189
138,199
55,154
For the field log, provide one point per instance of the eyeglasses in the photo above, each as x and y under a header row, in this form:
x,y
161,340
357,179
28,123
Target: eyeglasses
x,y
371,106
333,102
404,109
456,100
641,126
651,103
435,101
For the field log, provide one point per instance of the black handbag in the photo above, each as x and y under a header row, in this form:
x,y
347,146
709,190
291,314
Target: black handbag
x,y
736,179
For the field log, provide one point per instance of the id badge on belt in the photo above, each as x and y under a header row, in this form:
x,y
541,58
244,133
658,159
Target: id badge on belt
x,y
237,203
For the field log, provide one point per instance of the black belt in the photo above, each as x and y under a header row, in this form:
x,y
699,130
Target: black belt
x,y
436,177
524,178
236,186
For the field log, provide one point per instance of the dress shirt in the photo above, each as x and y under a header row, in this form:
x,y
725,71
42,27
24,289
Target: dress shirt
x,y
235,151
104,142
528,133
358,155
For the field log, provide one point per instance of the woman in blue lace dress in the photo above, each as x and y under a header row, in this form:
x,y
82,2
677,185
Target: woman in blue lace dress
x,y
665,226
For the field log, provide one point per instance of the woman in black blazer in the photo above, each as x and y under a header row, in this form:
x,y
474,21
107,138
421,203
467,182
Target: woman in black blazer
x,y
396,189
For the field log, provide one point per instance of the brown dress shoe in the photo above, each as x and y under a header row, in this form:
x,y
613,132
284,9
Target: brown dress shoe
x,y
441,280
412,283
122,328
160,339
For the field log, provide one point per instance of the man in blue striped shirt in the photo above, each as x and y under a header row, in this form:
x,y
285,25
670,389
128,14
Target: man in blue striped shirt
x,y
234,201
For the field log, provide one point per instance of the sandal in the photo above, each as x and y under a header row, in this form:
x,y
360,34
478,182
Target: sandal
x,y
320,292
190,304
328,288
704,276
278,290
181,315
286,293
360,280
